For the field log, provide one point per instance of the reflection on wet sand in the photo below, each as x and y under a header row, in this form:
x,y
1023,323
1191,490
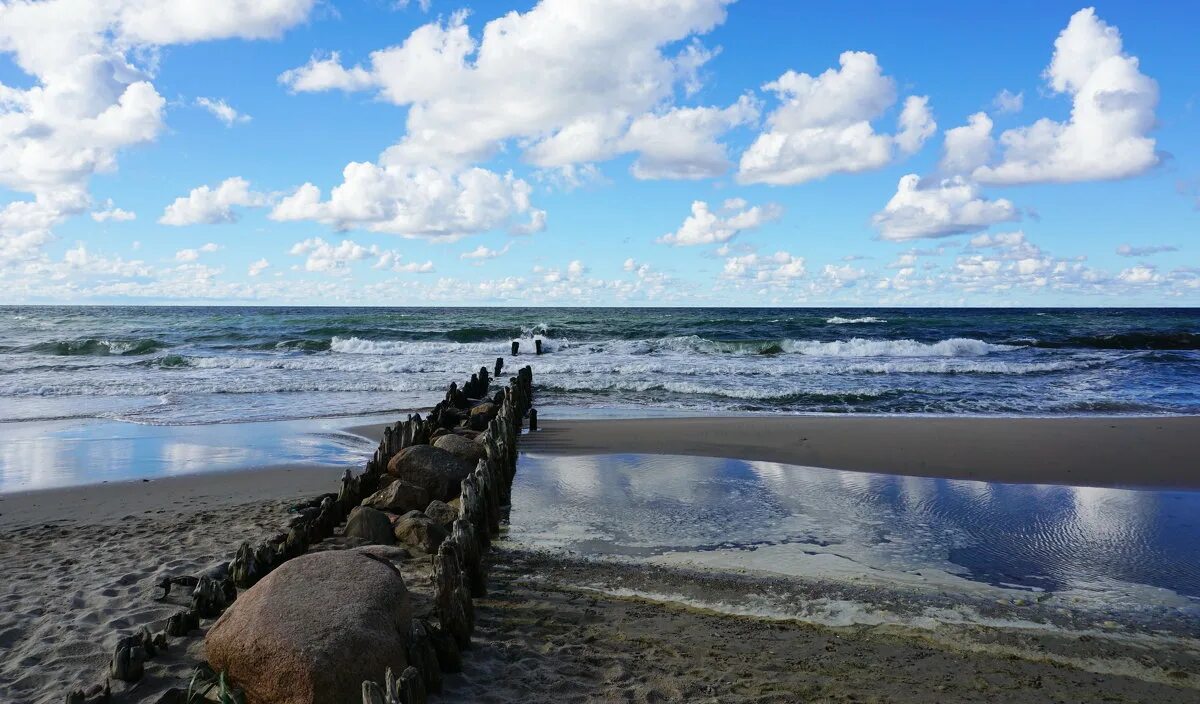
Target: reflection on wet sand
x,y
1112,546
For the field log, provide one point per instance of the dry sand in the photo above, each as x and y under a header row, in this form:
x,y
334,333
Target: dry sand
x,y
80,565
1111,452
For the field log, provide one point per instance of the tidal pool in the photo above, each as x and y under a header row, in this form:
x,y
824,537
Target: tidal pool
x,y
1117,546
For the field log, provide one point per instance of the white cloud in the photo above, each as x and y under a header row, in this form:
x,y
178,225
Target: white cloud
x,y
780,267
968,147
916,124
1140,274
842,276
223,111
1126,250
948,207
258,267
329,258
321,74
191,255
1007,101
207,205
112,213
546,78
426,202
682,143
704,226
1112,112
481,252
91,92
823,124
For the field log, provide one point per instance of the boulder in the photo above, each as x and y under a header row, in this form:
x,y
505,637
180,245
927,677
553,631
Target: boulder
x,y
398,497
370,525
417,530
442,513
432,468
461,448
312,630
486,409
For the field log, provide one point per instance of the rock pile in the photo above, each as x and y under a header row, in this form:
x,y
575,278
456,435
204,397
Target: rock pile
x,y
318,628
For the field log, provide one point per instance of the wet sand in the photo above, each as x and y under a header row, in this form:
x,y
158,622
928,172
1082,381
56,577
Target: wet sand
x,y
1157,452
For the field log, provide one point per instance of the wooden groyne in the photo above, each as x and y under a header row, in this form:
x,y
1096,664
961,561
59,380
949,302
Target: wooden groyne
x,y
473,507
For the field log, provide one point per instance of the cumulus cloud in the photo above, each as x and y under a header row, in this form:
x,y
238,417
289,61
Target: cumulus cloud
x,y
191,255
1127,250
258,267
682,143
704,226
966,148
842,276
330,258
468,98
1112,112
112,213
210,206
942,208
223,111
481,253
426,202
92,92
780,267
823,124
327,73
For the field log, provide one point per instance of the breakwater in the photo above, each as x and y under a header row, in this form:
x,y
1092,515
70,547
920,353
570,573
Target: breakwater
x,y
419,489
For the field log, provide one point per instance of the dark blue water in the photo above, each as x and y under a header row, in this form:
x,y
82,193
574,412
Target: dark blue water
x,y
198,365
1110,547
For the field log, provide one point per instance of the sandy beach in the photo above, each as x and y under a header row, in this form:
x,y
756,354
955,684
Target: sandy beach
x,y
1082,451
80,566
82,562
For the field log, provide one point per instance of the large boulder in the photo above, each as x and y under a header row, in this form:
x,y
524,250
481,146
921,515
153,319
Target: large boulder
x,y
442,513
398,497
370,525
313,629
419,531
462,448
432,468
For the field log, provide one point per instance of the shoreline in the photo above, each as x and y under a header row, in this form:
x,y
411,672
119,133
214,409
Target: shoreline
x,y
1132,452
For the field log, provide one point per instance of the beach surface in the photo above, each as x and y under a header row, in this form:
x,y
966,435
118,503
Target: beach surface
x,y
81,566
1128,452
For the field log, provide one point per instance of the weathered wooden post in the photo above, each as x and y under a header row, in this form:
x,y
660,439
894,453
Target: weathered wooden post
x,y
499,366
533,420
537,345
516,346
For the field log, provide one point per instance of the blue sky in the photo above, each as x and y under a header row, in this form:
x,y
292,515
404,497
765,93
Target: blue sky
x,y
674,152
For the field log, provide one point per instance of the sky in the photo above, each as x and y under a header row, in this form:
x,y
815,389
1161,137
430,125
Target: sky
x,y
599,152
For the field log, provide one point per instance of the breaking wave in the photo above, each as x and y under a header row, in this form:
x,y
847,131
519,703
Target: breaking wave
x,y
96,347
838,320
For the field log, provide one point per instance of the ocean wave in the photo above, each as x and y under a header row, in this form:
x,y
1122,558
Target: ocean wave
x,y
1128,341
864,347
96,347
838,320
740,393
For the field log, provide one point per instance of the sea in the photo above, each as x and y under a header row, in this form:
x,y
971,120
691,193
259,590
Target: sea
x,y
203,365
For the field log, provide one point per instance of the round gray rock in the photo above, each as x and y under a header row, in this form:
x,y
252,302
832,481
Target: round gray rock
x,y
432,468
462,448
312,630
398,496
370,525
442,513
419,531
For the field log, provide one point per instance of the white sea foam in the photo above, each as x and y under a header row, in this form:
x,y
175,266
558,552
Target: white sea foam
x,y
862,347
838,320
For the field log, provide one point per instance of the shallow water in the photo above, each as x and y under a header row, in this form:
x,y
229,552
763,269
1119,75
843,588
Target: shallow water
x,y
45,454
1110,545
